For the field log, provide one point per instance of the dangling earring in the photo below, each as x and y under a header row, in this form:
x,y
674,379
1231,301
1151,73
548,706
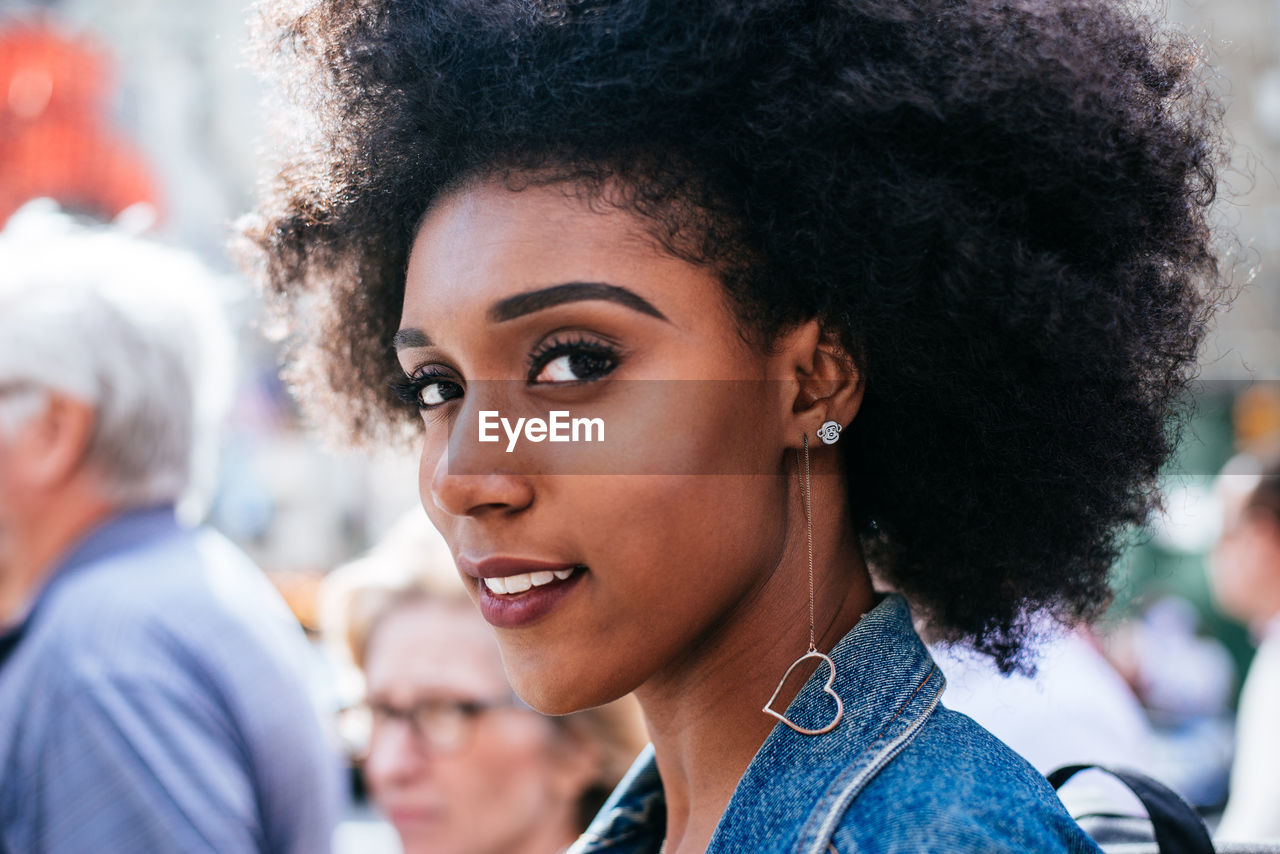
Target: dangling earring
x,y
813,649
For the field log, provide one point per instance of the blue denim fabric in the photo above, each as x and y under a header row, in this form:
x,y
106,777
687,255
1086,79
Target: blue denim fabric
x,y
900,773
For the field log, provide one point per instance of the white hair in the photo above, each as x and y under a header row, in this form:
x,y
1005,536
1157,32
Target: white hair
x,y
132,328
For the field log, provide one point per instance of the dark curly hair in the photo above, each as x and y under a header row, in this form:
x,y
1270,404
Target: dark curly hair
x,y
1001,207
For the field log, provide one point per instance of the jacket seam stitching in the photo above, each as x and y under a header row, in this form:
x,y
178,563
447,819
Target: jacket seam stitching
x,y
889,750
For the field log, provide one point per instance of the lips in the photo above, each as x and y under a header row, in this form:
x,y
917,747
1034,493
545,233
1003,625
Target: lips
x,y
502,567
411,816
516,592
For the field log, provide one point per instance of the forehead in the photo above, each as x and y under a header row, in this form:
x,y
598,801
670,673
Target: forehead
x,y
485,241
434,646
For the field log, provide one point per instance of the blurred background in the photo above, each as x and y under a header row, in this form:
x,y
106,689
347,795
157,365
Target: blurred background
x,y
146,111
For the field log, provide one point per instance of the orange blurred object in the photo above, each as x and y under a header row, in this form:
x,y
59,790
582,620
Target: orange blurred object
x,y
55,139
1256,414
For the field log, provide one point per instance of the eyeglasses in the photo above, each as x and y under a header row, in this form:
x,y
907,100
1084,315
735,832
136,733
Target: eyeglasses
x,y
441,725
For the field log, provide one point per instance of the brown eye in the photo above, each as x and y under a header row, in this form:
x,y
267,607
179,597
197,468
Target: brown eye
x,y
575,367
572,362
433,394
427,390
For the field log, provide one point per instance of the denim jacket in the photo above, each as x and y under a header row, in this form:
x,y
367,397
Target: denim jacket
x,y
899,773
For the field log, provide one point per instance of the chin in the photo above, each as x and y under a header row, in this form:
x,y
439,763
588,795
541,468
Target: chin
x,y
554,690
551,698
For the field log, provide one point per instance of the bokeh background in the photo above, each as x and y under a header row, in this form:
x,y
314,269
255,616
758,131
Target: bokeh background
x,y
147,111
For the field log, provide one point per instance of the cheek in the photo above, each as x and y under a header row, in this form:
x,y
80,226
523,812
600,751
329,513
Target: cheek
x,y
670,556
1238,574
434,443
689,427
432,457
506,770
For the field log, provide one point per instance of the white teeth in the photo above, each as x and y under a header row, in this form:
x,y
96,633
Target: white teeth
x,y
525,580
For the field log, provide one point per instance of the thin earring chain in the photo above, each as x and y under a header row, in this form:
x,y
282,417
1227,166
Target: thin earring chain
x,y
807,501
808,524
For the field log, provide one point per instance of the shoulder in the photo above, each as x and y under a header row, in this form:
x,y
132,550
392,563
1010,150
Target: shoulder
x,y
1260,694
955,787
166,655
188,591
185,612
1265,667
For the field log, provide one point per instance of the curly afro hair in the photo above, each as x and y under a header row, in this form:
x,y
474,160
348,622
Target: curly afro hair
x,y
1001,207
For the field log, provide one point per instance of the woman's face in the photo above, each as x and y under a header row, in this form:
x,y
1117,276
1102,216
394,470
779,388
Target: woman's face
x,y
523,303
507,787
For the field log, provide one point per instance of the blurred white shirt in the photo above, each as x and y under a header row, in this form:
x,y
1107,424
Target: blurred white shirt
x,y
1076,710
1253,809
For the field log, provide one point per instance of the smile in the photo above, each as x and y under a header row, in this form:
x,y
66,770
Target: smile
x,y
525,580
517,592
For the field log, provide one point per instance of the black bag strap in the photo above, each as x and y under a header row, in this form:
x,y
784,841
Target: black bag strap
x,y
1178,827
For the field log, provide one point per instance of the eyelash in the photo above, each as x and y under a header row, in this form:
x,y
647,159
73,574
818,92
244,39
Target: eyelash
x,y
409,389
552,349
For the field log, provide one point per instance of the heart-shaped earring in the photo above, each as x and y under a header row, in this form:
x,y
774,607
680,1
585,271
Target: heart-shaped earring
x,y
769,710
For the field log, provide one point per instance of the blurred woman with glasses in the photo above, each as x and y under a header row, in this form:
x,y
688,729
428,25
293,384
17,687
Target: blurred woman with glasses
x,y
453,759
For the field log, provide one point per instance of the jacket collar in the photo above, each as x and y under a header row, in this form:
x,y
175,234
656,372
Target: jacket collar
x,y
799,786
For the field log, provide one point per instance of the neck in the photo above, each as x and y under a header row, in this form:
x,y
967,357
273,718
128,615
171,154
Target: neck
x,y
39,542
705,716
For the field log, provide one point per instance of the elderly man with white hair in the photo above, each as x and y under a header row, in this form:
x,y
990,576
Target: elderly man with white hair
x,y
152,684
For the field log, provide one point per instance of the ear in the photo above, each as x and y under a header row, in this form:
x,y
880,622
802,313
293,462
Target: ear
x,y
56,440
822,380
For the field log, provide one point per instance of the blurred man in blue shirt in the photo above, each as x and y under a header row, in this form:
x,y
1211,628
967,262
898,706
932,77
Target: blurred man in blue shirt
x,y
152,683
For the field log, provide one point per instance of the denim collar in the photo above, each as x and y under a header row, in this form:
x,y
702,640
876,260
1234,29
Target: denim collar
x,y
799,786
113,535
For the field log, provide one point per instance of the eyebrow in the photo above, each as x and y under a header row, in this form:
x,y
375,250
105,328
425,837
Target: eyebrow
x,y
527,303
408,339
544,298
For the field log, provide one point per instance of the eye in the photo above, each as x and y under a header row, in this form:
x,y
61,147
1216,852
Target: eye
x,y
434,393
427,389
572,361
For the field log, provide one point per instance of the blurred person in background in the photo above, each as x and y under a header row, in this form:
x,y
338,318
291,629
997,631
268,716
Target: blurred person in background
x,y
454,759
1075,709
1244,575
152,691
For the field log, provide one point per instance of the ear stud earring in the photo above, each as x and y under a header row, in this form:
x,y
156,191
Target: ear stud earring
x,y
829,432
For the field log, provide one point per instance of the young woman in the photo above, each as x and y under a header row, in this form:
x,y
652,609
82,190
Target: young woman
x,y
903,288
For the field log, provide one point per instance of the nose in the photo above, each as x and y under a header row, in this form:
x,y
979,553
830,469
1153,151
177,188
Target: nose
x,y
393,758
470,478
